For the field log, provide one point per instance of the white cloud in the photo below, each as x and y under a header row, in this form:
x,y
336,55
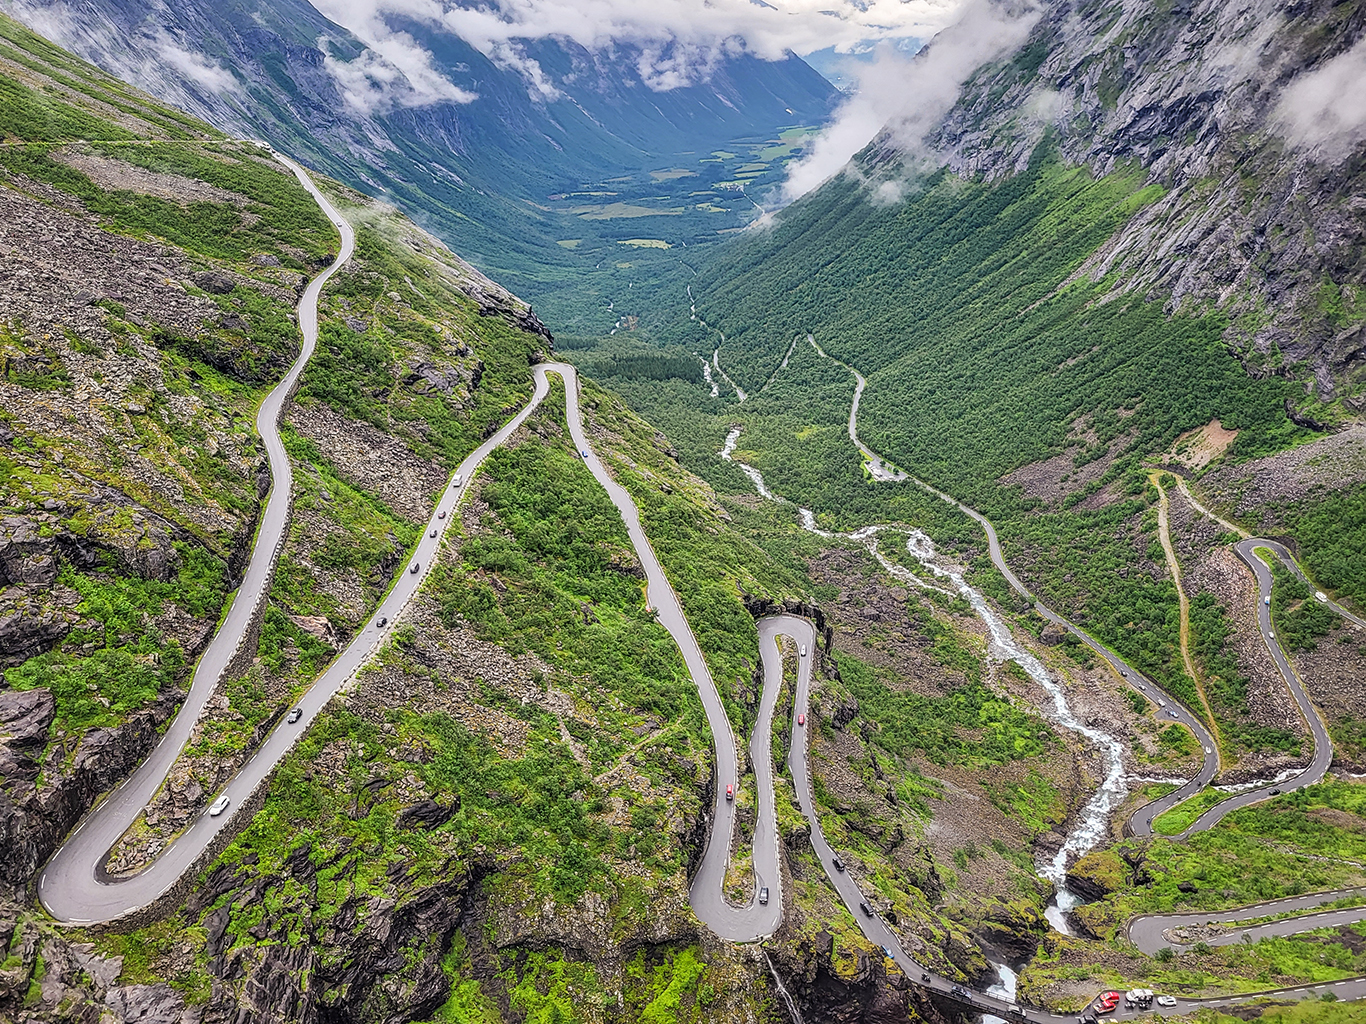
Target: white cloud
x,y
194,67
680,40
372,84
1325,110
908,97
396,70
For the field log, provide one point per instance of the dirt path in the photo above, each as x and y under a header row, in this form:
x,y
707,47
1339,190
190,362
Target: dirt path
x,y
1164,534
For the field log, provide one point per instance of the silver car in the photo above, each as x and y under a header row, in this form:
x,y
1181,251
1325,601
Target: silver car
x,y
219,806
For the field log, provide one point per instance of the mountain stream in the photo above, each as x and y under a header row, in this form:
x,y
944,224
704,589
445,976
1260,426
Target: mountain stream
x,y
1091,824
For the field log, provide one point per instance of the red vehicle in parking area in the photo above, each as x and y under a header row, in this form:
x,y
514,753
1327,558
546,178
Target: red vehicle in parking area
x,y
1107,1002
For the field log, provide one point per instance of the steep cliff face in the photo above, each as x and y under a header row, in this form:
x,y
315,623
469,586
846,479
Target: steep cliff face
x,y
1232,109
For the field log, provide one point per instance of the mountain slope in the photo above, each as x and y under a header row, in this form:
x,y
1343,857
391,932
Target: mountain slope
x,y
469,146
1233,109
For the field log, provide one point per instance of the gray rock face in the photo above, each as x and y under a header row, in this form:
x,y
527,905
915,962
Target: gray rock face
x,y
1196,96
150,1004
33,819
26,555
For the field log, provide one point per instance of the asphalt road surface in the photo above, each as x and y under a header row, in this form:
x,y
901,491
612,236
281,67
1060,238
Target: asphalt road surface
x,y
73,886
1323,746
1147,932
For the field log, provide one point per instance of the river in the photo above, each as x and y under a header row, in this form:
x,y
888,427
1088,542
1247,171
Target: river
x,y
1093,821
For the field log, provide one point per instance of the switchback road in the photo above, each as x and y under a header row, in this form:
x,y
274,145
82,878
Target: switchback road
x,y
73,886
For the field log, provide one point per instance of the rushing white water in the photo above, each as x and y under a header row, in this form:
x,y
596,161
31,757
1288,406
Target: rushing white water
x,y
782,991
1002,988
1002,646
706,373
1242,787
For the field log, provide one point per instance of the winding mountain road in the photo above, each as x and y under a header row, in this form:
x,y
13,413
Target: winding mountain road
x,y
74,886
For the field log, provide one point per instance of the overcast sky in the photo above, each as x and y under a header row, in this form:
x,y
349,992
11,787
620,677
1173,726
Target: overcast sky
x,y
768,27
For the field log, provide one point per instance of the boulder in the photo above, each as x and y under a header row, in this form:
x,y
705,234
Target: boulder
x,y
27,556
150,1004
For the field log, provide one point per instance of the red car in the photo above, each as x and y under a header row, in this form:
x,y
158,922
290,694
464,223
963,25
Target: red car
x,y
801,719
730,791
1107,1002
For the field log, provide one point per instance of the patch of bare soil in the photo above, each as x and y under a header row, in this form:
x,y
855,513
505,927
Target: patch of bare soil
x,y
110,173
1329,464
1213,568
1053,479
372,460
1196,449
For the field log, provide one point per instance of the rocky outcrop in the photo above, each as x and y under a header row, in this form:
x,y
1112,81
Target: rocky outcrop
x,y
1258,219
35,817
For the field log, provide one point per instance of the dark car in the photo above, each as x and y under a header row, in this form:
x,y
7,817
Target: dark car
x,y
839,864
383,621
924,976
865,908
763,894
959,991
1276,791
295,715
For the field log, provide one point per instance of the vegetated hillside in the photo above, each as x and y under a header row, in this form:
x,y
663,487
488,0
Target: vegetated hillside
x,y
1016,356
500,819
1233,109
473,148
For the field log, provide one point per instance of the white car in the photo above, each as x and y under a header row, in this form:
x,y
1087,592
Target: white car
x,y
219,806
414,568
803,650
1267,600
1166,1000
457,480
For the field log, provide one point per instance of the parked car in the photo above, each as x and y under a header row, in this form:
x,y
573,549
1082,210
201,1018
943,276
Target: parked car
x,y
839,864
219,806
763,894
1166,1000
295,715
801,719
730,791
